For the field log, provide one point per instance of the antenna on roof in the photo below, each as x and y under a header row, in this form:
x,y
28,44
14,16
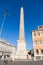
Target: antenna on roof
x,y
4,14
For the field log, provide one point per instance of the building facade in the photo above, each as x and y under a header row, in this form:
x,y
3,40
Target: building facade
x,y
7,51
37,37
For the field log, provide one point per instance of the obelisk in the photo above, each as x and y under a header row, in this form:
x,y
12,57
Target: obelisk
x,y
21,48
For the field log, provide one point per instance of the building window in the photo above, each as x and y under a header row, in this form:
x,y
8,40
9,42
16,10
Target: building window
x,y
40,42
37,51
35,42
42,51
38,34
42,33
34,34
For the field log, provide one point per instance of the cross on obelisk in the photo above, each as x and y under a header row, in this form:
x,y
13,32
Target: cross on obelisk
x,y
21,48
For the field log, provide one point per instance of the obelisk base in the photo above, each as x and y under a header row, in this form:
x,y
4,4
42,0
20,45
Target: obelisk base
x,y
21,50
20,57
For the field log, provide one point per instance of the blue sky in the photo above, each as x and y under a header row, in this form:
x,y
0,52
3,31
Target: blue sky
x,y
33,17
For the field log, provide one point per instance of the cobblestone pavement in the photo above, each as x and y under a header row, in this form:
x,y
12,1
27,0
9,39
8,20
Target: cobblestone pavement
x,y
21,63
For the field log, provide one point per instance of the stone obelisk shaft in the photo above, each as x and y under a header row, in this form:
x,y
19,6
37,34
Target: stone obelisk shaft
x,y
21,31
21,48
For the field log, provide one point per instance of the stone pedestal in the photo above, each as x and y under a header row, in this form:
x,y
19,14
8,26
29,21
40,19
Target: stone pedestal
x,y
34,58
21,50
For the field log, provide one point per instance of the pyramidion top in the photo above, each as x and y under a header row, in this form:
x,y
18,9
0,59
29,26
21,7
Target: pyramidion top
x,y
21,8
